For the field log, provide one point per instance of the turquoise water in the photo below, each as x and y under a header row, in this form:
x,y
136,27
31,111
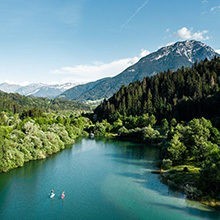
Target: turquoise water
x,y
102,180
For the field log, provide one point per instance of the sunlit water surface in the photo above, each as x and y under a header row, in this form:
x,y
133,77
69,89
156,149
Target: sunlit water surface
x,y
102,180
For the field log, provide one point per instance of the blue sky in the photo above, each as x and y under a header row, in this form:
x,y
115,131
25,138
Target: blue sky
x,y
56,41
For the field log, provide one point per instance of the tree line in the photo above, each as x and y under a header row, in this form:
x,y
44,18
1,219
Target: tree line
x,y
182,94
33,106
34,128
169,109
36,137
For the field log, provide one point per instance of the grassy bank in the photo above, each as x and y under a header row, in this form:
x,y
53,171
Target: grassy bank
x,y
186,178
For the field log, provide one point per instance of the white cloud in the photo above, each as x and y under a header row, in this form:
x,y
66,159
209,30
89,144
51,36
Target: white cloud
x,y
186,34
217,51
215,9
98,70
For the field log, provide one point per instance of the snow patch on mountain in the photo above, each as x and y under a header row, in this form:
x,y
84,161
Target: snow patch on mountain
x,y
37,89
188,49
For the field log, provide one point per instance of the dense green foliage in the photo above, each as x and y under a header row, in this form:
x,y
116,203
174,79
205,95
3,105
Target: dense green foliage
x,y
197,144
30,106
32,138
183,94
137,128
190,149
34,128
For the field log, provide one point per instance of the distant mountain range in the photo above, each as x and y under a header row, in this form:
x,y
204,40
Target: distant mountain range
x,y
37,89
171,57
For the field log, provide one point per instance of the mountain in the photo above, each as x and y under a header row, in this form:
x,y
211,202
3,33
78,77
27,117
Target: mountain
x,y
171,57
37,89
44,90
9,88
184,94
29,89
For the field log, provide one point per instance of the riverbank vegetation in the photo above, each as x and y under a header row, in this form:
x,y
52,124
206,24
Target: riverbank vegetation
x,y
32,138
191,156
190,153
34,128
169,109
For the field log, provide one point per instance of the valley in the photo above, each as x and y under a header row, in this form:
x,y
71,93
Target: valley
x,y
175,112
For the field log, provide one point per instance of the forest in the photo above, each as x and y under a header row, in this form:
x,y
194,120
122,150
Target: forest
x,y
179,112
15,103
189,151
182,94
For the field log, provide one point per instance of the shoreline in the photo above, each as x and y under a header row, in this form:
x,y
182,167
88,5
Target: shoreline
x,y
190,190
43,156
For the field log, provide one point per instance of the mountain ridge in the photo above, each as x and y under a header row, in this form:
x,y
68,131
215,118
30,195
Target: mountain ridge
x,y
37,89
183,53
184,94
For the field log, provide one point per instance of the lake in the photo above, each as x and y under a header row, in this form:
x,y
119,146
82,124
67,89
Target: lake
x,y
102,179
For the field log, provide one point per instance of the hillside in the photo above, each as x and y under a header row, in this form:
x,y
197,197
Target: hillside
x,y
170,57
170,110
16,103
183,94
